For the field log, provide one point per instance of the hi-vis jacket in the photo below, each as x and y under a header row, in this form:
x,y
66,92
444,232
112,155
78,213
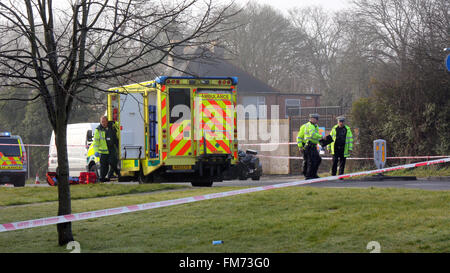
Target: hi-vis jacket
x,y
301,137
100,145
308,132
348,141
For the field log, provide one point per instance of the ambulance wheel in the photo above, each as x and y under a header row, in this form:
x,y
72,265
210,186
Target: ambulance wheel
x,y
20,181
144,178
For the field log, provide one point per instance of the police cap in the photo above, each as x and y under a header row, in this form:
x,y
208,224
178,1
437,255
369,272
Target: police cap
x,y
314,115
341,118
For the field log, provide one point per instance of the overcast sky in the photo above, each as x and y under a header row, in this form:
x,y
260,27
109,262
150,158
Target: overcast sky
x,y
285,5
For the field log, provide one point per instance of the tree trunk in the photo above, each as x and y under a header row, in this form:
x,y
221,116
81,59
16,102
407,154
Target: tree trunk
x,y
64,202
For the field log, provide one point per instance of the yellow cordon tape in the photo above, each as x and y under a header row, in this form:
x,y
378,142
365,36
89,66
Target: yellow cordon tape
x,y
141,207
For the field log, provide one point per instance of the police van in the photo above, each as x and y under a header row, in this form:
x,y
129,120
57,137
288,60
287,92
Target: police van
x,y
13,160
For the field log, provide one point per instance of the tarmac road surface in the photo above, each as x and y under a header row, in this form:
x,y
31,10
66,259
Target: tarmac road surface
x,y
432,183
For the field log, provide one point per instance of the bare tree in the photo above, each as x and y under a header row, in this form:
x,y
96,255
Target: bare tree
x,y
57,51
264,45
321,56
406,38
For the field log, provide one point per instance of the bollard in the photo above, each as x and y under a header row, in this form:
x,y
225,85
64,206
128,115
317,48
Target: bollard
x,y
379,153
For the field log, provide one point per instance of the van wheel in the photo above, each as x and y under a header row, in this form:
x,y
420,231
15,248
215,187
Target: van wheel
x,y
20,181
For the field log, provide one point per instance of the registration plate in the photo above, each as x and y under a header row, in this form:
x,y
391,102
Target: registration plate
x,y
181,167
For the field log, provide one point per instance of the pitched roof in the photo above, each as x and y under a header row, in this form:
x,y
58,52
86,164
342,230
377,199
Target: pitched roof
x,y
213,65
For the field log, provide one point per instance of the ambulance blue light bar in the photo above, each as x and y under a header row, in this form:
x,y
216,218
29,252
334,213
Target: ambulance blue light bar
x,y
162,79
5,134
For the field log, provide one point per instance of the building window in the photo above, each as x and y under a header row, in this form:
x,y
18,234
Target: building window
x,y
254,107
292,107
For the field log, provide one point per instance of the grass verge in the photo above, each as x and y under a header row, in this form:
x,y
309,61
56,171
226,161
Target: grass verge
x,y
29,195
295,219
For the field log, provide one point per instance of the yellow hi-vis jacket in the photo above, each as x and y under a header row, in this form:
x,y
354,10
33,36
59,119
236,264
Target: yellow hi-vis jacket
x,y
301,137
99,143
312,133
348,141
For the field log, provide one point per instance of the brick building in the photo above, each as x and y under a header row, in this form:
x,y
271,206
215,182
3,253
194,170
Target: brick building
x,y
251,91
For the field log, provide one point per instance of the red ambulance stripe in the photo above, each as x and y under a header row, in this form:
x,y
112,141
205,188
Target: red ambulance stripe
x,y
210,147
220,110
224,146
163,107
213,119
163,121
185,148
175,142
174,127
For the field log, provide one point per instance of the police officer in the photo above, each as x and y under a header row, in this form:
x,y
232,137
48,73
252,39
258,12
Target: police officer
x,y
105,146
301,147
311,139
342,145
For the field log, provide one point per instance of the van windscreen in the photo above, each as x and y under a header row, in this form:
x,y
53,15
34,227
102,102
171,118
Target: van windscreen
x,y
9,150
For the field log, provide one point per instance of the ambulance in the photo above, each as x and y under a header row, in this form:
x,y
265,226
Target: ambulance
x,y
13,160
177,129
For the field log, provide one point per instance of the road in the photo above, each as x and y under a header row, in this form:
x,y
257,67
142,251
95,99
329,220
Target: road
x,y
437,183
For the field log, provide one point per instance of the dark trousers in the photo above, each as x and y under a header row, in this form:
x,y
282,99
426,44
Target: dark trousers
x,y
313,161
108,165
338,158
305,163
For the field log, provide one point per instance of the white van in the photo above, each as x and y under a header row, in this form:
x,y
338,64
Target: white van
x,y
79,137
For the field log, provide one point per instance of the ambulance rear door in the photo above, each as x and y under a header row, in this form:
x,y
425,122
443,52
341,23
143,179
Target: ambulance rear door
x,y
132,125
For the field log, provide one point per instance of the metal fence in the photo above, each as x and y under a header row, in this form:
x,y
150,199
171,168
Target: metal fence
x,y
328,115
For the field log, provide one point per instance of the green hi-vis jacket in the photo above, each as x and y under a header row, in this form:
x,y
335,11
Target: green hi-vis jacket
x,y
301,136
100,145
308,133
348,141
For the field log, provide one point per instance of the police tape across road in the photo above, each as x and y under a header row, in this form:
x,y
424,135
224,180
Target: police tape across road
x,y
146,206
269,156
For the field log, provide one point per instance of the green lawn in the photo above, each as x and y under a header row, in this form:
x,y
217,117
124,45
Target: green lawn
x,y
29,195
295,219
